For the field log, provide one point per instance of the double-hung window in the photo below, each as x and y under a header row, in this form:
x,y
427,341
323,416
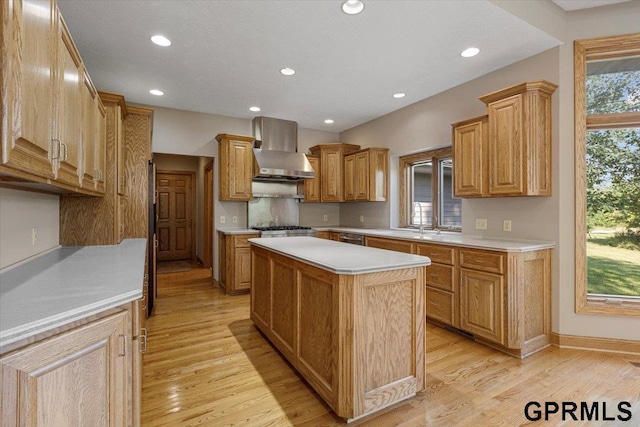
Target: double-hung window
x,y
426,191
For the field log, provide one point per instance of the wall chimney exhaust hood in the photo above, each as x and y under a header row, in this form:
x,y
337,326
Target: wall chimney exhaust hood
x,y
275,150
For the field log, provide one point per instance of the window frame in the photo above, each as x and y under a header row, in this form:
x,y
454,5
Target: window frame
x,y
584,51
406,184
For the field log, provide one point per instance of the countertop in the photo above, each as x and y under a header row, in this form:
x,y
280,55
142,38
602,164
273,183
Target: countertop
x,y
338,257
450,238
68,284
229,231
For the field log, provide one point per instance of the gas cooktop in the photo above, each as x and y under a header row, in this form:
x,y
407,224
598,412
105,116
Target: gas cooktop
x,y
281,227
285,231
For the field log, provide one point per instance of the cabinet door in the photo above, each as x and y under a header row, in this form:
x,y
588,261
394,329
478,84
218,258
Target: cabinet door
x,y
469,166
68,111
89,132
242,275
361,176
76,378
332,173
119,134
28,41
312,185
506,150
236,170
482,304
284,302
101,146
350,178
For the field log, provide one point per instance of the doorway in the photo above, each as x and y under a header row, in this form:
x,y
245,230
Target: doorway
x,y
176,206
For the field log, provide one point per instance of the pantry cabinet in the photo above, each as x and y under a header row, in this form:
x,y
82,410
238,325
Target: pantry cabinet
x,y
332,169
508,153
236,167
43,108
366,175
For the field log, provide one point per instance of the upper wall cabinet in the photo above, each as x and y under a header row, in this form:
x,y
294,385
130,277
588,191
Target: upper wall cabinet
x,y
42,106
515,154
312,185
236,167
366,175
332,169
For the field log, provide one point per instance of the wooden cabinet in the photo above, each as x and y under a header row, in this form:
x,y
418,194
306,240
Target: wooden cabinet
x,y
366,175
323,235
513,156
29,42
502,298
470,158
235,262
113,217
79,377
334,235
236,166
332,169
441,281
312,185
43,74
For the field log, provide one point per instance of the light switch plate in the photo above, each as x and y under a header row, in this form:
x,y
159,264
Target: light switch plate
x,y
481,224
234,219
361,218
506,225
325,217
223,219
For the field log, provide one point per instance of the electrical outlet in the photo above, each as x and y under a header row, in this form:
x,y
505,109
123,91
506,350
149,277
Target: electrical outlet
x,y
361,218
481,224
223,219
34,236
235,219
325,217
506,225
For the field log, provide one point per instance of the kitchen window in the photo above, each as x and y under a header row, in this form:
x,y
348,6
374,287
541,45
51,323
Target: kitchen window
x,y
607,181
426,191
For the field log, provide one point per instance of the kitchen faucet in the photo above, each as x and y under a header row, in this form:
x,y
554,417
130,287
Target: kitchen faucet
x,y
422,226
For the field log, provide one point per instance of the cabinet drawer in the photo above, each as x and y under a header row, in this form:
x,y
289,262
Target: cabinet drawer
x,y
437,253
440,276
243,241
440,305
389,244
480,260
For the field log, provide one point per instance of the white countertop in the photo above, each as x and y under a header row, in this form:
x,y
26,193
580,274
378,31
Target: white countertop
x,y
229,231
338,257
68,284
450,238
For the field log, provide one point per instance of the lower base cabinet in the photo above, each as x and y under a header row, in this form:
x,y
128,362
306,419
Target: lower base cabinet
x,y
235,262
82,376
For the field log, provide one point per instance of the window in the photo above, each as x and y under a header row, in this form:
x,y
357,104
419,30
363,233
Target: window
x,y
426,191
607,149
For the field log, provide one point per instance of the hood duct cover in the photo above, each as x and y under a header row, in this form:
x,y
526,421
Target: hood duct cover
x,y
276,153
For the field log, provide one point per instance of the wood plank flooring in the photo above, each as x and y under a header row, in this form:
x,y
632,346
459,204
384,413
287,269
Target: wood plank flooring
x,y
207,365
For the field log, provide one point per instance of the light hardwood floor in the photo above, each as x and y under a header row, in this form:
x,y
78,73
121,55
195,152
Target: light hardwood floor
x,y
207,365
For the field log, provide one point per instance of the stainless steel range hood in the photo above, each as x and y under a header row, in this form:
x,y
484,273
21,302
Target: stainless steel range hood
x,y
275,150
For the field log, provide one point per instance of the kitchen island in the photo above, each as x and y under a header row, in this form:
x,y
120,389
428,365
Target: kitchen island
x,y
349,318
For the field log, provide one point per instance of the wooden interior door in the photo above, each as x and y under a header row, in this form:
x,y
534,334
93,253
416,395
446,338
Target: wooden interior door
x,y
175,215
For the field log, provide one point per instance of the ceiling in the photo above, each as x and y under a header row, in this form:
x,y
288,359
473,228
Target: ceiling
x,y
226,55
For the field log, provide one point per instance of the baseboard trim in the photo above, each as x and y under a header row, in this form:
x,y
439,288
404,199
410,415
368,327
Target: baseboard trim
x,y
199,261
609,345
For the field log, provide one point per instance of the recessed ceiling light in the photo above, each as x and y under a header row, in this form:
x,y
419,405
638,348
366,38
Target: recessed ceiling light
x,y
399,95
468,53
161,40
256,109
156,92
329,121
288,71
352,7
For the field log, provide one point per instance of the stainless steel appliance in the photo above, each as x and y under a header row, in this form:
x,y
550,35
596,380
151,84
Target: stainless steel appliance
x,y
355,239
285,231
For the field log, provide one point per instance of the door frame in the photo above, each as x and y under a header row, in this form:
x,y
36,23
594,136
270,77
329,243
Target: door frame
x,y
208,215
194,206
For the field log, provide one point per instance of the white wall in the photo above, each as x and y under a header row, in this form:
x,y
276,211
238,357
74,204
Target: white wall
x,y
190,133
20,212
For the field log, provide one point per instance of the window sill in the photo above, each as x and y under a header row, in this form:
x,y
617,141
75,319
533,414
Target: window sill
x,y
609,305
